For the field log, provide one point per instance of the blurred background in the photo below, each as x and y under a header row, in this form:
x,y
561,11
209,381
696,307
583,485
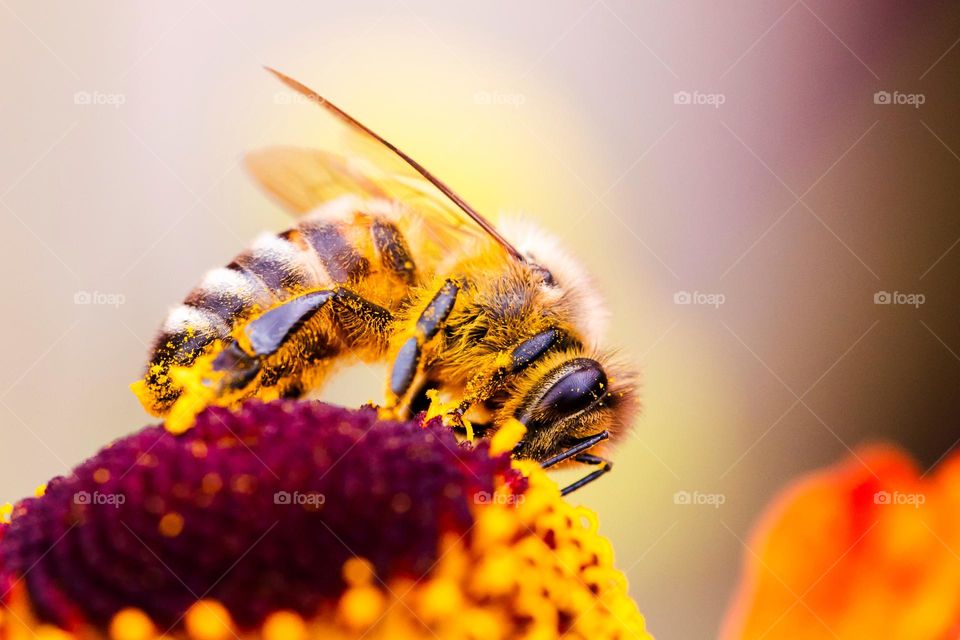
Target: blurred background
x,y
767,192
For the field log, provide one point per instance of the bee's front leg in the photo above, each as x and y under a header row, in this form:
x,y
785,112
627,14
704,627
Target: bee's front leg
x,y
491,378
578,452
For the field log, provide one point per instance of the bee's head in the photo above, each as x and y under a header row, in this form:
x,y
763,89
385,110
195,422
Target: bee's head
x,y
569,396
565,284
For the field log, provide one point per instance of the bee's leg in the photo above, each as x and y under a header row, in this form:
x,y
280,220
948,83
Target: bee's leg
x,y
578,453
271,330
407,361
275,328
605,467
488,381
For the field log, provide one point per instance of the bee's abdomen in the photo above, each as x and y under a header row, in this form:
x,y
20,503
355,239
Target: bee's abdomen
x,y
279,264
369,255
336,250
185,333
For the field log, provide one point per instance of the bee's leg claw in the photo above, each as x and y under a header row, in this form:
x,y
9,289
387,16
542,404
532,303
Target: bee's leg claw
x,y
605,467
578,453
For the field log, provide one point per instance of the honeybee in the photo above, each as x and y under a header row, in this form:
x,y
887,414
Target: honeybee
x,y
387,263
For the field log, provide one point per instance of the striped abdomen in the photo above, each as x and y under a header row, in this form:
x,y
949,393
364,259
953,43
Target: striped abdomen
x,y
335,246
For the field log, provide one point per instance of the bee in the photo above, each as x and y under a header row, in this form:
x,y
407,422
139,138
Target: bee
x,y
480,324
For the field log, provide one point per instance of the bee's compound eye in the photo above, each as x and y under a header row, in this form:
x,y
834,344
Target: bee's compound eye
x,y
584,384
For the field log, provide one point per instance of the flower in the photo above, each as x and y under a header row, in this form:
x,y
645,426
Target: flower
x,y
867,549
290,520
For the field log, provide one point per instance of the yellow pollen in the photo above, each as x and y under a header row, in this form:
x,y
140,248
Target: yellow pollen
x,y
132,624
208,620
507,437
440,598
361,606
48,632
357,572
284,625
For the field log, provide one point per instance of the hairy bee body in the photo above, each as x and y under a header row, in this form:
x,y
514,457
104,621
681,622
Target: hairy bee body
x,y
347,243
481,324
383,253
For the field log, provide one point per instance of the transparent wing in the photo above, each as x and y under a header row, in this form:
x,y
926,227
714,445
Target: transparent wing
x,y
304,178
301,179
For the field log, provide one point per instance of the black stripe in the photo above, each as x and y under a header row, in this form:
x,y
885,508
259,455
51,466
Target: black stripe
x,y
393,250
184,345
342,262
276,274
224,304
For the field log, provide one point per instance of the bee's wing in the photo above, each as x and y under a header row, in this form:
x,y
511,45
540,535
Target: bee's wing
x,y
303,179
